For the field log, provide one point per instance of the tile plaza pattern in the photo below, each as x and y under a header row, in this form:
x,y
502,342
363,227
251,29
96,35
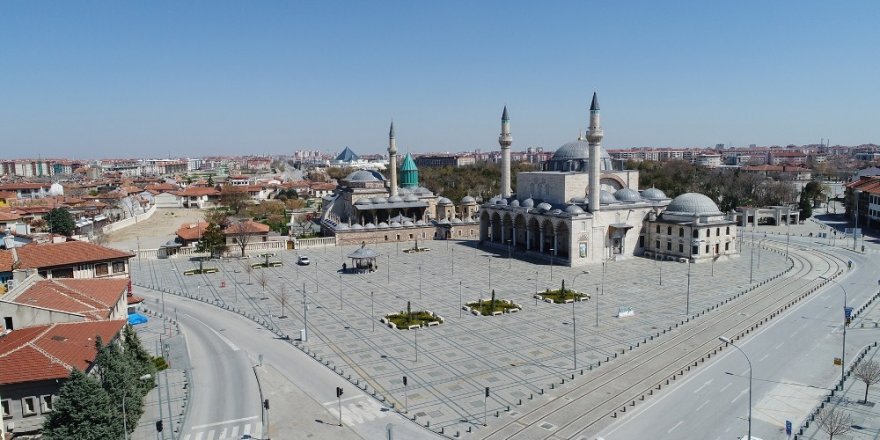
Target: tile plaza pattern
x,y
517,355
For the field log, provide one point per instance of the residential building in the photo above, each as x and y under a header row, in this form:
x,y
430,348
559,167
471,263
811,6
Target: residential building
x,y
69,259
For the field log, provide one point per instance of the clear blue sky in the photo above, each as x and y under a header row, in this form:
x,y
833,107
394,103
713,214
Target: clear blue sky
x,y
189,78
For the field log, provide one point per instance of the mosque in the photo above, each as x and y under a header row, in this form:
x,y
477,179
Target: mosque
x,y
367,208
580,210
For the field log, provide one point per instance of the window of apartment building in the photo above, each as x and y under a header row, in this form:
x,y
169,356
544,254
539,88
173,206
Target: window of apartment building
x,y
7,322
118,266
726,246
669,230
101,269
728,230
717,232
7,408
681,232
47,403
695,250
641,241
696,233
668,245
680,248
410,236
709,232
62,273
28,406
658,229
707,248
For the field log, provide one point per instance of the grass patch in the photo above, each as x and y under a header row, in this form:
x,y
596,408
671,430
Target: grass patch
x,y
264,265
409,318
561,296
485,307
206,270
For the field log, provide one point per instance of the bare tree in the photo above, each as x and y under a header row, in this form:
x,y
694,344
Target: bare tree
x,y
869,373
241,234
263,280
250,270
834,421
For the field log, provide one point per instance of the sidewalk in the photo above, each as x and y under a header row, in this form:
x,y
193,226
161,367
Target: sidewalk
x,y
865,418
172,382
293,414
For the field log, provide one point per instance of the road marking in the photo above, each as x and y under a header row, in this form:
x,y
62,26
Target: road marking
x,y
676,426
778,346
210,435
225,422
226,341
763,357
741,393
235,431
726,386
701,406
334,402
199,435
708,382
223,433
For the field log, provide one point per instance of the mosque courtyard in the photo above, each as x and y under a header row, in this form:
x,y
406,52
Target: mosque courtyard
x,y
519,356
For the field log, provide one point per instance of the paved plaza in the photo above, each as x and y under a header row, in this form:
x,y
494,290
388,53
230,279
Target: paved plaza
x,y
518,356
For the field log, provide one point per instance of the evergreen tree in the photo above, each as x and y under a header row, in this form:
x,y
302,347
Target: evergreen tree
x,y
140,361
212,241
84,411
60,221
119,380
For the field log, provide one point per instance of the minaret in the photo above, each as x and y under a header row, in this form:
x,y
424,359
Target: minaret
x,y
505,140
392,159
594,138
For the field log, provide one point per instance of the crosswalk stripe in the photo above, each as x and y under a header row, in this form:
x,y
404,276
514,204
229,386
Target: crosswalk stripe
x,y
247,429
185,437
235,432
199,435
211,435
223,434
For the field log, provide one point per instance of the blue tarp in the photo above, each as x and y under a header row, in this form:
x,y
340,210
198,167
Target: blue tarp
x,y
136,318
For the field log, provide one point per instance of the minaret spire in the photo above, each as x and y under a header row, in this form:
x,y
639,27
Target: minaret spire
x,y
505,140
594,138
392,159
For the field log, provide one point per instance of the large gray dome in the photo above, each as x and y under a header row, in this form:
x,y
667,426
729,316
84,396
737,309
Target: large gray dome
x,y
606,198
468,200
575,156
363,176
693,204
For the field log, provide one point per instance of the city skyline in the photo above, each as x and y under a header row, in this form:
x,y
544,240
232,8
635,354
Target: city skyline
x,y
123,80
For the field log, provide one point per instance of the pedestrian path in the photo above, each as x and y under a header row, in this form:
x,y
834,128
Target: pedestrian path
x,y
226,429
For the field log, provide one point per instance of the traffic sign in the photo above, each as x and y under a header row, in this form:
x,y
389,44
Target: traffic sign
x,y
838,361
788,427
847,312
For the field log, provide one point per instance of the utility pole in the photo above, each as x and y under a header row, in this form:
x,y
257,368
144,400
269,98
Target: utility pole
x,y
305,336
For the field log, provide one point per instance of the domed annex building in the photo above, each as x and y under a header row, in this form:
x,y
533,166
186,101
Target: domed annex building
x,y
367,207
580,210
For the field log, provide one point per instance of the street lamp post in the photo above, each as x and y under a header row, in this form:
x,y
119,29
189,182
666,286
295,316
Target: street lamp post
x,y
509,252
420,282
552,252
843,346
124,416
340,291
372,312
459,300
305,335
728,341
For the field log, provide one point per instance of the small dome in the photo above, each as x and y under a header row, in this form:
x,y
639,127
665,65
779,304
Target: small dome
x,y
468,200
422,190
395,199
382,225
357,226
379,200
693,204
444,222
502,202
420,223
528,203
574,209
444,201
342,226
410,198
395,225
514,203
369,226
456,220
408,223
556,212
654,194
364,201
627,195
494,200
362,176
544,206
606,198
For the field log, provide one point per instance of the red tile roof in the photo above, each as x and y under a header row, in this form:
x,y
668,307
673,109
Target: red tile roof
x,y
92,298
192,191
247,227
192,231
50,351
38,256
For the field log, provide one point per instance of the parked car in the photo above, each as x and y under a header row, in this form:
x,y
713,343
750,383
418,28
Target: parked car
x,y
303,260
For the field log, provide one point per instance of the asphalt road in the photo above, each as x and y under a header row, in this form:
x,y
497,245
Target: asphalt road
x,y
225,397
792,360
225,387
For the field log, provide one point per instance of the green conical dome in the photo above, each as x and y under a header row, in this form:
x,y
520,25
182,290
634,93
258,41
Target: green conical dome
x,y
409,173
